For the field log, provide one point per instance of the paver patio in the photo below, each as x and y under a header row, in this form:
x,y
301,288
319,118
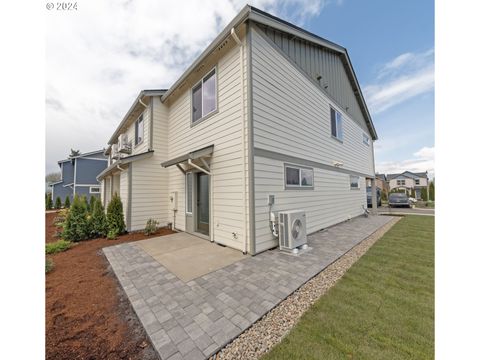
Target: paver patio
x,y
193,320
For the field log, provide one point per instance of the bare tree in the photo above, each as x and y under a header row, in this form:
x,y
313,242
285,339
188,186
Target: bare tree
x,y
53,177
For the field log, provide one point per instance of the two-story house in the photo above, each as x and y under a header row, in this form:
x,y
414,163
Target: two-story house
x,y
79,175
408,181
381,182
268,118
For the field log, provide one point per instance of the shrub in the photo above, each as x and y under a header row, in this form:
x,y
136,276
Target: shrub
x,y
116,224
57,246
431,191
67,202
424,193
76,227
48,202
151,227
84,198
384,195
98,221
112,235
58,203
48,265
91,206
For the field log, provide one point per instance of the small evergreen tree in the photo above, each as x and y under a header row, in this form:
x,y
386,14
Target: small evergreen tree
x,y
48,202
91,206
58,203
67,202
116,224
384,195
431,191
76,227
412,193
98,221
424,193
84,199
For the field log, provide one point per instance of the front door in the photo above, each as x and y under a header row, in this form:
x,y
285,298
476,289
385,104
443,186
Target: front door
x,y
203,203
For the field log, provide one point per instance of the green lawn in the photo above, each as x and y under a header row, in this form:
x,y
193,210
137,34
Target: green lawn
x,y
383,308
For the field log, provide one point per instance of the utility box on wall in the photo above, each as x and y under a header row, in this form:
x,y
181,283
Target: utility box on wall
x,y
173,201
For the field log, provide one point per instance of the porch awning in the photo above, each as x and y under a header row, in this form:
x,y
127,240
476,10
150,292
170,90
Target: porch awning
x,y
124,161
197,154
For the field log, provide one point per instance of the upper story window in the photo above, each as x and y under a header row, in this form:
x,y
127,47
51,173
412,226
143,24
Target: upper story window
x,y
417,181
94,189
366,139
401,182
336,124
354,182
204,96
139,129
298,177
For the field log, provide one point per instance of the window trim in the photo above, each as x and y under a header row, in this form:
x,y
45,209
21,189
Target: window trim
x,y
136,130
300,186
211,113
358,182
336,124
95,192
186,193
417,181
401,180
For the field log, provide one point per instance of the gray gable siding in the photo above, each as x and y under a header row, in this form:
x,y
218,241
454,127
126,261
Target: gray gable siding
x,y
87,170
317,61
62,192
67,172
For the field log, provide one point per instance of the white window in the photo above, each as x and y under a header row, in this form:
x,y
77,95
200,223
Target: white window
x,y
189,192
366,139
336,124
204,96
401,182
298,177
354,182
94,189
139,130
417,181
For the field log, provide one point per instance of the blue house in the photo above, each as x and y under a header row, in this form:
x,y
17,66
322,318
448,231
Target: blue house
x,y
79,176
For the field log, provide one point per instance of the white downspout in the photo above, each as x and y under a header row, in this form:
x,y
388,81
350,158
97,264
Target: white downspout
x,y
244,183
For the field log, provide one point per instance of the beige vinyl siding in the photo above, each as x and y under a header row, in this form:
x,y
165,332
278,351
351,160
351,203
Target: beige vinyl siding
x,y
149,179
123,176
223,130
330,202
292,116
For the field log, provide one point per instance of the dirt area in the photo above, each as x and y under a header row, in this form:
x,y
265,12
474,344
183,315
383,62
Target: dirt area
x,y
87,315
50,229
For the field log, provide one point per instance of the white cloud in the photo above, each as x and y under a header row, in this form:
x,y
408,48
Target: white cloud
x,y
101,56
422,160
406,76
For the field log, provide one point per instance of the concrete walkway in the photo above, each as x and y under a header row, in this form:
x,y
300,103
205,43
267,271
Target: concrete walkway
x,y
194,320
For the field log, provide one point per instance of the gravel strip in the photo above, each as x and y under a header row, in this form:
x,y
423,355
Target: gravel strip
x,y
270,329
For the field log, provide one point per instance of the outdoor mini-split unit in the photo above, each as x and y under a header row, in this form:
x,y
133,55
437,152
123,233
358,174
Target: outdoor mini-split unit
x,y
292,230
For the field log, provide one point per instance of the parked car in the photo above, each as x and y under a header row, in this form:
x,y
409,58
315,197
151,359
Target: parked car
x,y
369,197
398,199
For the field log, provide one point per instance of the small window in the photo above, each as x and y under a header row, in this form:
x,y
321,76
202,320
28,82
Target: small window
x,y
417,181
336,124
94,190
204,96
298,177
366,139
354,182
189,191
139,130
401,182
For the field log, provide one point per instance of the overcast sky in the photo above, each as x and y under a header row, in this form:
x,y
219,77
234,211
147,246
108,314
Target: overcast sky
x,y
101,56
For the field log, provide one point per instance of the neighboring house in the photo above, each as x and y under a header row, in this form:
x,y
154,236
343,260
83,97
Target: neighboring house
x,y
79,175
267,109
380,181
407,181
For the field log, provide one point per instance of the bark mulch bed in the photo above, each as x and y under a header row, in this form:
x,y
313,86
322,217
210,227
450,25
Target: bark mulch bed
x,y
87,315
